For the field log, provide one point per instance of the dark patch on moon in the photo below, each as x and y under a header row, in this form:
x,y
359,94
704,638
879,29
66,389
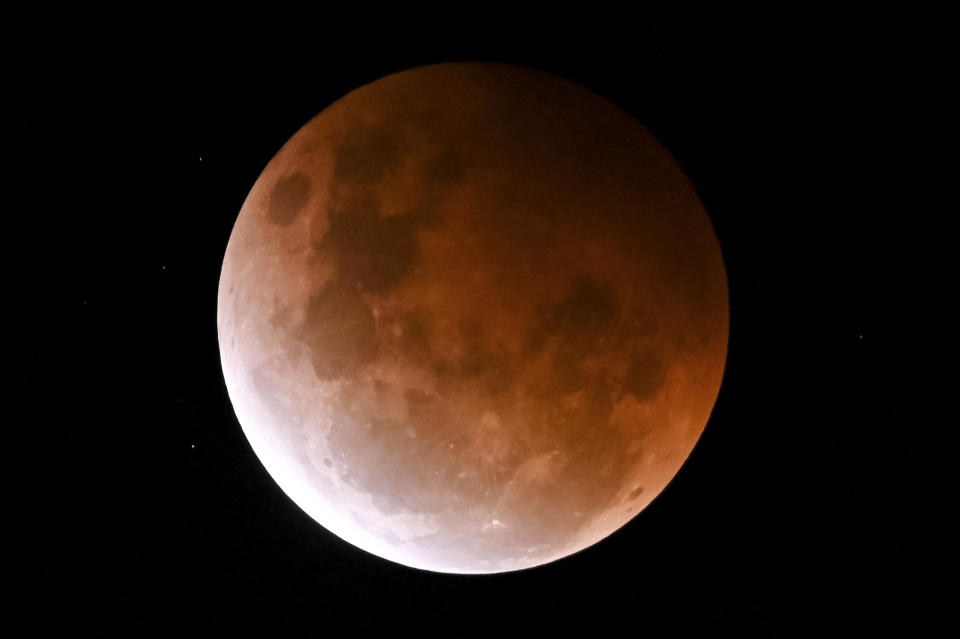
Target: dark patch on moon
x,y
374,252
476,359
340,331
480,359
446,168
636,492
587,307
578,317
567,376
574,325
645,376
415,336
368,154
288,197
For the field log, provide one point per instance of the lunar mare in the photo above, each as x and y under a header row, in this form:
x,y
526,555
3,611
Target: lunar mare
x,y
472,318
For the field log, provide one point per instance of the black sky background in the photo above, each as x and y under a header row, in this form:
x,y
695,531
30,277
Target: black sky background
x,y
819,498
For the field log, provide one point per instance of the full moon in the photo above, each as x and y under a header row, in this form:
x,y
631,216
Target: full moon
x,y
472,318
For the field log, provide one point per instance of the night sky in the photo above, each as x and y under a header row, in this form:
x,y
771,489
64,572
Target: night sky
x,y
818,498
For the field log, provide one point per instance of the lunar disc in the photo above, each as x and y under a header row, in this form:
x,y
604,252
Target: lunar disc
x,y
472,318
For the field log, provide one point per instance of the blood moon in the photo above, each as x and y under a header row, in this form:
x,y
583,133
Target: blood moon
x,y
472,318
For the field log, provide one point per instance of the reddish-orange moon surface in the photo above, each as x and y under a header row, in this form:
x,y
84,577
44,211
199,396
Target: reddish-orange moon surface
x,y
472,318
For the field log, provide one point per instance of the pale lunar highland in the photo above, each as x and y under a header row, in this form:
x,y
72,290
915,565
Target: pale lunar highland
x,y
472,318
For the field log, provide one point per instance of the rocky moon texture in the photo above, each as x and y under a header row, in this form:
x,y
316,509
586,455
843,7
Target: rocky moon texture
x,y
472,318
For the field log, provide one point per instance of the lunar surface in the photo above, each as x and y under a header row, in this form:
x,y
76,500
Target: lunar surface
x,y
472,318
